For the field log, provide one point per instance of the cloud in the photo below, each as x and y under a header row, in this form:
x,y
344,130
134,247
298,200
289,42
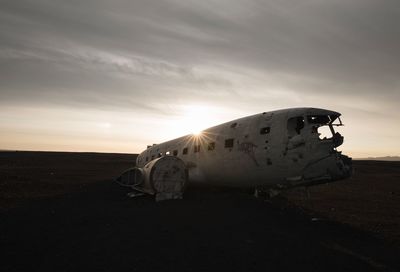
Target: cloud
x,y
335,41
150,56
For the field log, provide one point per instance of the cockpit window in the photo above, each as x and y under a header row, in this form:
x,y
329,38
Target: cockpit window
x,y
323,125
295,125
320,125
318,119
324,132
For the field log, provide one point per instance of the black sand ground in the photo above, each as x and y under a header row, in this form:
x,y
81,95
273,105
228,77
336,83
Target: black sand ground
x,y
60,212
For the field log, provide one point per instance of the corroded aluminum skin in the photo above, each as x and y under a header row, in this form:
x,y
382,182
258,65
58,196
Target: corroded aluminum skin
x,y
256,159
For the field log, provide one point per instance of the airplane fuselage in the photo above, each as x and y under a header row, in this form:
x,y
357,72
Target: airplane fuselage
x,y
272,148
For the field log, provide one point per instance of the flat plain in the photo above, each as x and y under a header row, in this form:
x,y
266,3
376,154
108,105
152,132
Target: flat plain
x,y
62,212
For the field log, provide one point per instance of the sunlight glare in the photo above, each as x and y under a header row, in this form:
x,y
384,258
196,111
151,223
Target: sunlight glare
x,y
194,119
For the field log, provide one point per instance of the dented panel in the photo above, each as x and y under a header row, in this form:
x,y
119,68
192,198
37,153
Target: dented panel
x,y
279,149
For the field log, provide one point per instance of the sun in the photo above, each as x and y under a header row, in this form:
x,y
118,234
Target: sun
x,y
196,132
193,119
196,118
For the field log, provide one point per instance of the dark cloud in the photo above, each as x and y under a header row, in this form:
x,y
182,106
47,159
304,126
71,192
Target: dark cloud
x,y
147,53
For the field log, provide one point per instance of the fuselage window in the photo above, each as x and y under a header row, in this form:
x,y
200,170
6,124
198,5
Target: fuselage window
x,y
168,153
265,130
175,153
147,158
229,143
196,148
152,157
211,146
185,151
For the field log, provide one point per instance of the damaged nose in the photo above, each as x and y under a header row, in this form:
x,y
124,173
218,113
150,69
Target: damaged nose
x,y
337,139
342,169
333,167
347,165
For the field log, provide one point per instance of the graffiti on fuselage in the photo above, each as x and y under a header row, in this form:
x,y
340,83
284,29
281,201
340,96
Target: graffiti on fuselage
x,y
248,148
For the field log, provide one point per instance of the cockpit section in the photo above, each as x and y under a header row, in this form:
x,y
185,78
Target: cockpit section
x,y
318,125
311,147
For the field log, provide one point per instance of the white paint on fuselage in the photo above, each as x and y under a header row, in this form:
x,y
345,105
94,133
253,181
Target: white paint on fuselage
x,y
259,154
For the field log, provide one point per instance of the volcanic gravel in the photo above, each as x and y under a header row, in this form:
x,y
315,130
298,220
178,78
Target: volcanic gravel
x,y
62,212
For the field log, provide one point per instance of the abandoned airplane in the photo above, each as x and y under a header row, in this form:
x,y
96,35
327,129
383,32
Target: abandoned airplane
x,y
272,150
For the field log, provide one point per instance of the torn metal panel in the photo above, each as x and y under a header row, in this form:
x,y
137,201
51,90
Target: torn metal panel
x,y
278,150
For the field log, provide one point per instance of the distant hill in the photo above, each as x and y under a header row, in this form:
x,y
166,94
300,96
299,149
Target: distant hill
x,y
387,158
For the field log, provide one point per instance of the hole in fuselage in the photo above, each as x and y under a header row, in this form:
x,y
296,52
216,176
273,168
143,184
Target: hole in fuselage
x,y
295,125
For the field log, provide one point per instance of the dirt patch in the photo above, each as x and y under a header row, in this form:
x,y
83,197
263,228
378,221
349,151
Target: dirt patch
x,y
369,200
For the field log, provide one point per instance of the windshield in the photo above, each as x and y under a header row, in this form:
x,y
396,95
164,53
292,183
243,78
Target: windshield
x,y
323,125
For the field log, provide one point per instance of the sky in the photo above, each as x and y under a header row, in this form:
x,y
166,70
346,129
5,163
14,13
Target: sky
x,y
114,76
